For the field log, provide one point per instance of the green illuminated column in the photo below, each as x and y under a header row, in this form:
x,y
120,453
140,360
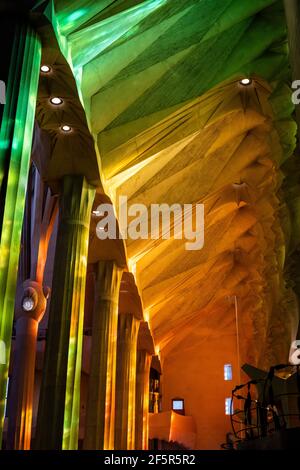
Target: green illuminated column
x,y
128,327
58,415
15,148
99,426
143,363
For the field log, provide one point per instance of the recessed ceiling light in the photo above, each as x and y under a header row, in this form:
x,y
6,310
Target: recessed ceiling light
x,y
56,100
66,128
45,68
246,81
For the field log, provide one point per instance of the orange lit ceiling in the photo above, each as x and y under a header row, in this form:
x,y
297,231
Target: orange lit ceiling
x,y
160,83
227,156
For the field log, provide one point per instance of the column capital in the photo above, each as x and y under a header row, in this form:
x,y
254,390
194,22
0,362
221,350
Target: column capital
x,y
129,299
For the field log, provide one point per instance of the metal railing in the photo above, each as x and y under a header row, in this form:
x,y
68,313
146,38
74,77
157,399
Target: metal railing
x,y
257,411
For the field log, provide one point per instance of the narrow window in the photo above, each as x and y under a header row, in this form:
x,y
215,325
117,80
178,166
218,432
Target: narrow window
x,y
227,372
177,404
228,406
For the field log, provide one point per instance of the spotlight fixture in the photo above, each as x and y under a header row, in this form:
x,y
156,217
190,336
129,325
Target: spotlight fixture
x,y
56,100
66,128
45,68
246,81
28,304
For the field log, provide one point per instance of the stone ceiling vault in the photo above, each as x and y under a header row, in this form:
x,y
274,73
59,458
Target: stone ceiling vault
x,y
160,85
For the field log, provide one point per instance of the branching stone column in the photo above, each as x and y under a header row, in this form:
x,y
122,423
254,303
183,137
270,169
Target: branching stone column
x,y
30,308
58,415
99,426
145,350
128,327
15,149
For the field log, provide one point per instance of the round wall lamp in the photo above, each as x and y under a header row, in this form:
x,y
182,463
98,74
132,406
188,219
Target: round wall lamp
x,y
66,128
28,304
246,81
56,101
45,68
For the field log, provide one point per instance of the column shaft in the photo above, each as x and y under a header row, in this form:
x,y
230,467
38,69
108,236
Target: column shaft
x,y
15,149
99,427
20,415
142,399
125,382
58,415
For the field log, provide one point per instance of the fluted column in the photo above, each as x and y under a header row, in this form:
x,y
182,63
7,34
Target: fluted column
x,y
15,149
143,363
28,316
128,326
99,426
58,414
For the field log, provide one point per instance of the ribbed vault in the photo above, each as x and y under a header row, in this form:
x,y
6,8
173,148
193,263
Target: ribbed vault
x,y
160,83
